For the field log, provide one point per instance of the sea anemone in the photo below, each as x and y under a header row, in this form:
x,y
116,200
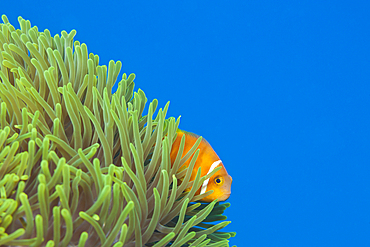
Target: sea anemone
x,y
82,166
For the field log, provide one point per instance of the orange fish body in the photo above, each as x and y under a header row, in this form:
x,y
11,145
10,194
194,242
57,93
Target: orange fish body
x,y
208,160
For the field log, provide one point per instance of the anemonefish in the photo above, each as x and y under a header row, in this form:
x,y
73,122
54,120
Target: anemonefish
x,y
208,160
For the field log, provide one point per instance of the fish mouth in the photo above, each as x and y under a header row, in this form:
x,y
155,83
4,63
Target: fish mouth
x,y
224,197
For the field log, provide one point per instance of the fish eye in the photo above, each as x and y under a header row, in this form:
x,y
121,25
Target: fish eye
x,y
219,180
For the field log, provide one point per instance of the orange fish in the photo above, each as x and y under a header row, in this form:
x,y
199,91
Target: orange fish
x,y
208,160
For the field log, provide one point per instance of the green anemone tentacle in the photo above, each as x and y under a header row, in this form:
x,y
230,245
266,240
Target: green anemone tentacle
x,y
82,166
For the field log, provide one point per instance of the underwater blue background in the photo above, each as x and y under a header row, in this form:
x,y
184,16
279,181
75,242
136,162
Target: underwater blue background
x,y
279,88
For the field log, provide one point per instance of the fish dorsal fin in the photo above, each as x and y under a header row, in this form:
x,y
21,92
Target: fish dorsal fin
x,y
188,133
192,134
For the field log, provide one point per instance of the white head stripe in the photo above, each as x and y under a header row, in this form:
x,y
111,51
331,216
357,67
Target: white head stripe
x,y
205,183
